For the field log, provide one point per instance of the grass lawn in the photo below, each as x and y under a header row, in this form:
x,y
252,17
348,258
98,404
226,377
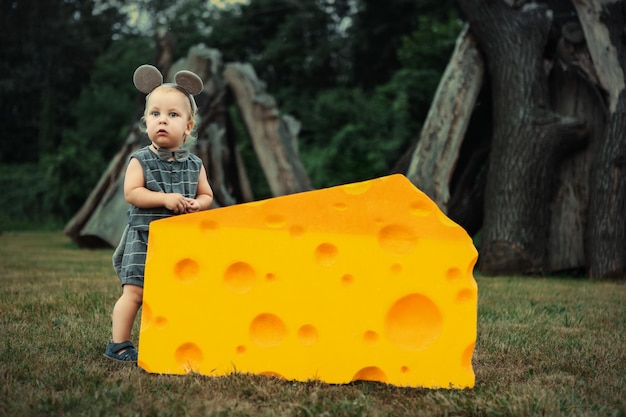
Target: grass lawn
x,y
545,347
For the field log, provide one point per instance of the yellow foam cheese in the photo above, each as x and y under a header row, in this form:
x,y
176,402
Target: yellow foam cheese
x,y
365,281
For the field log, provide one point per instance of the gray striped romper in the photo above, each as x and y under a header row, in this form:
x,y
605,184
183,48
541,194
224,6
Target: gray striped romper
x,y
162,176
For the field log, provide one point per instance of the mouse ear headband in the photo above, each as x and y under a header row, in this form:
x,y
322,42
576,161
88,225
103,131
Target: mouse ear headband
x,y
147,77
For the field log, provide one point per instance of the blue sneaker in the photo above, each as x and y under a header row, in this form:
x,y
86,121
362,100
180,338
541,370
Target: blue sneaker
x,y
121,352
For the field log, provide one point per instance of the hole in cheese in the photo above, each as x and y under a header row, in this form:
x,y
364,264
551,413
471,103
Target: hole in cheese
x,y
275,221
347,279
453,274
186,270
466,358
421,208
326,254
296,231
370,338
370,373
267,330
465,295
239,277
146,314
307,335
413,322
272,374
396,239
188,356
208,225
160,322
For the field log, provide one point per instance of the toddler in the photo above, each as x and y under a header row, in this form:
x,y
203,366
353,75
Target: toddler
x,y
162,180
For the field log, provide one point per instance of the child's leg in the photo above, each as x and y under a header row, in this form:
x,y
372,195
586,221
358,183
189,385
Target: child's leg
x,y
125,311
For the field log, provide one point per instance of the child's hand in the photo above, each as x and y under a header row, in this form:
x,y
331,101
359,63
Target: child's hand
x,y
175,202
193,205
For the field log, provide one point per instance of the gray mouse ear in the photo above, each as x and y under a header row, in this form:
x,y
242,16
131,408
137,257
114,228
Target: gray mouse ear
x,y
146,78
189,81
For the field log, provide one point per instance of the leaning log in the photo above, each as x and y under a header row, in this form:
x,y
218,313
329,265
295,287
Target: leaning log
x,y
434,159
273,136
102,218
216,144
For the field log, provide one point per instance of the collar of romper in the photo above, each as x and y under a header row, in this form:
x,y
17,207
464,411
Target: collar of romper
x,y
165,154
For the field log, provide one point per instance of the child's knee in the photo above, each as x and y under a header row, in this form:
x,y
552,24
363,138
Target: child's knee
x,y
134,293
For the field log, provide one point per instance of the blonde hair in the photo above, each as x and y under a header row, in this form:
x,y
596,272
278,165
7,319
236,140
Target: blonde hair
x,y
191,138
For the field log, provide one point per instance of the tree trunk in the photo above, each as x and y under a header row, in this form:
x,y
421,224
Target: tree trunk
x,y
273,136
165,42
574,95
529,139
603,23
434,158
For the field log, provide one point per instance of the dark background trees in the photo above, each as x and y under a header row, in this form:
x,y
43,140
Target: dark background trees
x,y
555,183
67,102
360,76
48,53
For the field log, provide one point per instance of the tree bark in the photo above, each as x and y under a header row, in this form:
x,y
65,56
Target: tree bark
x,y
573,94
603,23
215,146
434,158
274,137
529,139
165,41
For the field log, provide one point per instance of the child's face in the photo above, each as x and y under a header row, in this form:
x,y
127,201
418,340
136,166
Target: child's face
x,y
168,117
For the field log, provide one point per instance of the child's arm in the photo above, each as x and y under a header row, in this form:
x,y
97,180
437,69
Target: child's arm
x,y
136,193
204,195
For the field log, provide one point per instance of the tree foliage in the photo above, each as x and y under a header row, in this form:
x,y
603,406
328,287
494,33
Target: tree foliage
x,y
354,133
359,75
47,55
359,106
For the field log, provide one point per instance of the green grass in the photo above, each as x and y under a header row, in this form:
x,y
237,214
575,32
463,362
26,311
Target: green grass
x,y
546,347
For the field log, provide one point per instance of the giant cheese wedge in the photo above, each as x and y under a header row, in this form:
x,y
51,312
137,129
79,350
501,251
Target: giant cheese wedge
x,y
365,281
